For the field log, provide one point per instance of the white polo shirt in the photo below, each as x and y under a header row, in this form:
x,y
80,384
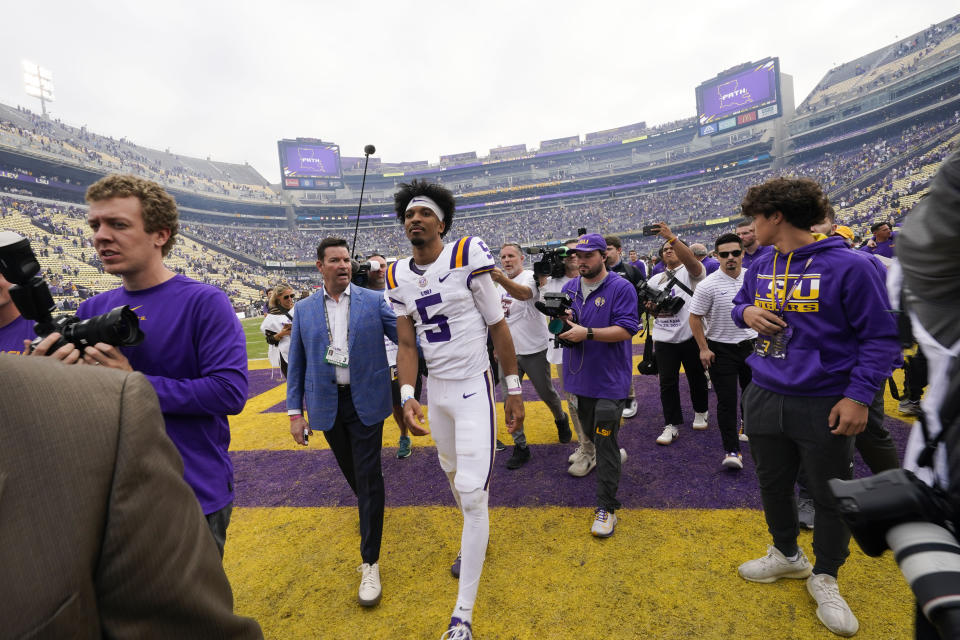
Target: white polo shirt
x,y
713,299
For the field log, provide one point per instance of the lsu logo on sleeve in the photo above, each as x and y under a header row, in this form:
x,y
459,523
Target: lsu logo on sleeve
x,y
805,297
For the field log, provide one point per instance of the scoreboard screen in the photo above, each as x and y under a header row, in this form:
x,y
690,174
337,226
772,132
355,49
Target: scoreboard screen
x,y
309,164
739,99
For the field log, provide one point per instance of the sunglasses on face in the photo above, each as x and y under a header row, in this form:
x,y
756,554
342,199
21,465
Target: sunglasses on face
x,y
287,297
735,253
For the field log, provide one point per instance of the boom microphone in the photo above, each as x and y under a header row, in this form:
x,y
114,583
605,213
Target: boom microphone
x,y
367,150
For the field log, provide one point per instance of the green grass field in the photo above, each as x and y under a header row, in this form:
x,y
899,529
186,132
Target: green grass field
x,y
256,345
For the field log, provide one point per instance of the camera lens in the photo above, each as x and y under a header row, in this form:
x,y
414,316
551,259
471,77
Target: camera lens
x,y
118,327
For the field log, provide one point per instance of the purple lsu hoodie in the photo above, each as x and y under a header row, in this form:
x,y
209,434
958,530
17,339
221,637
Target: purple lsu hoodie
x,y
844,337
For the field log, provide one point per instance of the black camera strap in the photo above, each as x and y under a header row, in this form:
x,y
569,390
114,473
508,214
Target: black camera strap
x,y
675,281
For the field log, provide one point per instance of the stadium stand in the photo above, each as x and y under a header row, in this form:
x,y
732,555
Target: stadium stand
x,y
875,158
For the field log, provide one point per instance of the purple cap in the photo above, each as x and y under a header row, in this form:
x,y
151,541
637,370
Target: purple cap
x,y
591,242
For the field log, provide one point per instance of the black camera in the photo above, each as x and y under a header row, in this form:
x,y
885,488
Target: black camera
x,y
361,271
119,327
551,262
555,306
895,510
662,301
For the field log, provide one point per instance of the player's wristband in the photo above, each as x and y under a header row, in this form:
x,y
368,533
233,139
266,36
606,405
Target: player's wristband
x,y
672,240
513,385
406,393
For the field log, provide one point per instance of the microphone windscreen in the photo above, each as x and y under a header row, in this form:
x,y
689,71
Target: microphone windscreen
x,y
369,149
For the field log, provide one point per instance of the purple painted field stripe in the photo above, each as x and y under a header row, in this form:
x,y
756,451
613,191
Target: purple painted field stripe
x,y
687,474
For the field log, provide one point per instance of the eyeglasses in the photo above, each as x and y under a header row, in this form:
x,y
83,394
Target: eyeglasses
x,y
288,297
735,253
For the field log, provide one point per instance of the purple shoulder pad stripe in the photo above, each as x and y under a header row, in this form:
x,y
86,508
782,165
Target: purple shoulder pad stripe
x,y
477,272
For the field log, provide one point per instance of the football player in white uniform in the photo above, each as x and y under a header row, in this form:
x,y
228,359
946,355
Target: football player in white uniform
x,y
444,294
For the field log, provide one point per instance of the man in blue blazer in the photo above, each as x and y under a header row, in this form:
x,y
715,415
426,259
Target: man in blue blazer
x,y
338,368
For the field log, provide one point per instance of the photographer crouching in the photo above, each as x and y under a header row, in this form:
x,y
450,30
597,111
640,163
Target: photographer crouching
x,y
916,516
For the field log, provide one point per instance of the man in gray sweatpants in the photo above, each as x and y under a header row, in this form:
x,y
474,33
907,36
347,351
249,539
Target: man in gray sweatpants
x,y
518,292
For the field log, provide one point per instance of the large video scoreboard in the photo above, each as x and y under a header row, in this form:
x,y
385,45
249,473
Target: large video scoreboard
x,y
307,163
740,98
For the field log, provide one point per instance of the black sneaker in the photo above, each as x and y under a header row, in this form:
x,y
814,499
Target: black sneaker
x,y
520,457
500,445
563,429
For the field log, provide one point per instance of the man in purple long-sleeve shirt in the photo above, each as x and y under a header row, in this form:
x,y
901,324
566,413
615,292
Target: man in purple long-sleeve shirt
x,y
194,353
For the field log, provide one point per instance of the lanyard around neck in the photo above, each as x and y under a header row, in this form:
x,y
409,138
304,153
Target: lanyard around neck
x,y
326,316
778,306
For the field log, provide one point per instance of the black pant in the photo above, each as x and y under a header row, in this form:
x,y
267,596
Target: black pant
x,y
600,418
874,443
729,367
283,366
218,521
669,357
356,447
785,433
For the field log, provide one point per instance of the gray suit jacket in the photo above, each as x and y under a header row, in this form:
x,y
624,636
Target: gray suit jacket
x,y
99,534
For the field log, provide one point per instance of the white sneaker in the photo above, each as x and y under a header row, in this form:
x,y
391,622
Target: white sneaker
x,y
700,420
774,566
832,610
623,455
369,593
669,434
577,453
604,523
631,409
582,466
733,460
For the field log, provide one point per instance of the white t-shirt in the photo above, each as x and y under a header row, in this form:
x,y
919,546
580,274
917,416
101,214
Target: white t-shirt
x,y
675,328
527,325
276,322
713,299
553,285
389,344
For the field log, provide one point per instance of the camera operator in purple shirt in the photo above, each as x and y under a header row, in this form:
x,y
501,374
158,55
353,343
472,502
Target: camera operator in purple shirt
x,y
598,368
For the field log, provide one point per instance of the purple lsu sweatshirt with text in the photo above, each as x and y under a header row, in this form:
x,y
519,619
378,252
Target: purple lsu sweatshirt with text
x,y
194,354
844,340
601,369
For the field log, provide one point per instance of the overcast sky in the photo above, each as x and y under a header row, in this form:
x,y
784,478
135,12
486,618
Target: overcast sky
x,y
417,79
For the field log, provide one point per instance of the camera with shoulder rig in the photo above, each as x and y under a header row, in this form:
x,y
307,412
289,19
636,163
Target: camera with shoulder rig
x,y
551,262
555,307
118,327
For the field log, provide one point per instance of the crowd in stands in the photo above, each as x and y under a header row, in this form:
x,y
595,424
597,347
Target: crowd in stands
x,y
21,128
875,70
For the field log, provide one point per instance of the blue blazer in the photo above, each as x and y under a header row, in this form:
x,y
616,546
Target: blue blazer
x,y
311,381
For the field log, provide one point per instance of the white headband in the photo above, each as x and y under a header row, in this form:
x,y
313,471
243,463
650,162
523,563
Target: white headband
x,y
427,202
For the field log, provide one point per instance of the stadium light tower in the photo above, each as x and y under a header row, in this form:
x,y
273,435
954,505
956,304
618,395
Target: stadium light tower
x,y
38,83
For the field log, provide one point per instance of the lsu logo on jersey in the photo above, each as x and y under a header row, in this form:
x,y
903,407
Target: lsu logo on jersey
x,y
805,297
600,301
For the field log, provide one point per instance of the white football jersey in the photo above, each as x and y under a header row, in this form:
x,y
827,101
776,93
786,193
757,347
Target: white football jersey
x,y
452,331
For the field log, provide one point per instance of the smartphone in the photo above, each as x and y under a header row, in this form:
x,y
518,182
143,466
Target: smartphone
x,y
306,436
651,230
